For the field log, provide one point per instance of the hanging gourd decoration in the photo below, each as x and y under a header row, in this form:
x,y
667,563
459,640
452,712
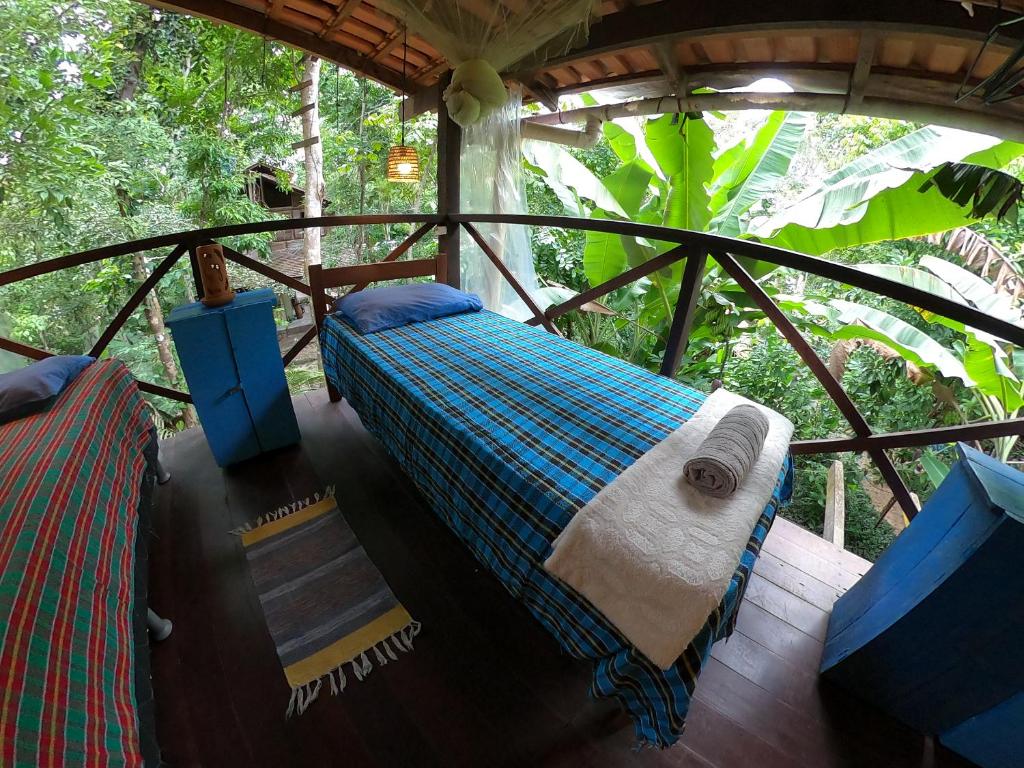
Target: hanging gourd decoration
x,y
403,162
214,275
475,91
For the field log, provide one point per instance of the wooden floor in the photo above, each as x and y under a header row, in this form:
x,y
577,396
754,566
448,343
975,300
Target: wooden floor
x,y
486,686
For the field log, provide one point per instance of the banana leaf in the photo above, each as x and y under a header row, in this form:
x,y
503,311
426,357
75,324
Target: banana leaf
x,y
756,172
877,197
862,322
975,289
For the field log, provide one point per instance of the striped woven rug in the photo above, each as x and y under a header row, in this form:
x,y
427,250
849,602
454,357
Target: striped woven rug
x,y
328,609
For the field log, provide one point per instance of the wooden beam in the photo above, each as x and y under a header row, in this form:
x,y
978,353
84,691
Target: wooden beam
x,y
304,109
170,394
449,156
265,270
650,23
682,318
318,298
918,438
136,299
523,294
709,243
398,252
821,372
862,69
299,345
306,142
665,54
278,29
275,8
372,273
631,275
34,353
835,506
388,44
300,86
344,11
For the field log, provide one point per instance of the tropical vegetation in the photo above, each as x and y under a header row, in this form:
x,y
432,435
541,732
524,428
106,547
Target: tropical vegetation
x,y
119,121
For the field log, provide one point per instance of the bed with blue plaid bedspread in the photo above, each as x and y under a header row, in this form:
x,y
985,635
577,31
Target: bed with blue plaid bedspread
x,y
509,430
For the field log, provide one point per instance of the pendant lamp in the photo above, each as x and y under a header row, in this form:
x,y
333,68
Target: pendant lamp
x,y
403,162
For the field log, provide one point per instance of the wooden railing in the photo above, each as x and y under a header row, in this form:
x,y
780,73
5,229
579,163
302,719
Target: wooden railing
x,y
692,247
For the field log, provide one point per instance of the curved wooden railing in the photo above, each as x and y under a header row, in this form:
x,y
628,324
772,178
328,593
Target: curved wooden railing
x,y
695,248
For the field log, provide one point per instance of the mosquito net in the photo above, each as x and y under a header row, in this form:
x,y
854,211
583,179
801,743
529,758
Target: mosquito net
x,y
492,182
480,38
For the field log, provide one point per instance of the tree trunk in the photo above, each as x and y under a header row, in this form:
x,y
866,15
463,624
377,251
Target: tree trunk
x,y
314,160
125,205
155,318
360,233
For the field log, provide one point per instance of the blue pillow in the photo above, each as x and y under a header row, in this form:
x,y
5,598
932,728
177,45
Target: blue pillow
x,y
34,388
378,309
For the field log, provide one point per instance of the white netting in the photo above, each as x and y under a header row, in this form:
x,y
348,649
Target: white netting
x,y
480,38
492,182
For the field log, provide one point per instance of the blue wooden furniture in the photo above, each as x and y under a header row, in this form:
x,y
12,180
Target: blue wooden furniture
x,y
232,363
932,633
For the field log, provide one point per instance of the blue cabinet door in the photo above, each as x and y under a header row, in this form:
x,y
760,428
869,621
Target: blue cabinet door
x,y
931,634
258,360
232,363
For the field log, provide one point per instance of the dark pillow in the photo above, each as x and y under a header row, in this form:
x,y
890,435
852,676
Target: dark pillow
x,y
378,309
34,388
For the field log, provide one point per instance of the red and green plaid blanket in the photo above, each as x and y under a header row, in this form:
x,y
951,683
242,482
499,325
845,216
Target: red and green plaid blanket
x,y
69,492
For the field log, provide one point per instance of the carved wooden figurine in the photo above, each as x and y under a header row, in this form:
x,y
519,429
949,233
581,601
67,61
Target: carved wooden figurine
x,y
214,274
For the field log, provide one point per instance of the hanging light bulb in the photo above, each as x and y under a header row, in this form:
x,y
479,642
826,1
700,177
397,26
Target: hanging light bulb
x,y
403,162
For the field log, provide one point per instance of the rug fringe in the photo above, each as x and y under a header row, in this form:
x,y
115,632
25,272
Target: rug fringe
x,y
304,695
284,511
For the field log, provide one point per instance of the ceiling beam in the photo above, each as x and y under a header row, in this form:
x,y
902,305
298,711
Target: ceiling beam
x,y
344,11
646,25
862,68
668,63
871,106
262,24
388,44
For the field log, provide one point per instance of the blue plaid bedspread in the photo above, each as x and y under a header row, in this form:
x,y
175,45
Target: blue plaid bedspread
x,y
508,431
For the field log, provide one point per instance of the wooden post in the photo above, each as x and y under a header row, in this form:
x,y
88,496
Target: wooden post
x,y
682,319
318,298
835,505
449,150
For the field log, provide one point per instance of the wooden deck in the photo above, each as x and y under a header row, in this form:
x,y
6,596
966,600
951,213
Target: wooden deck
x,y
486,685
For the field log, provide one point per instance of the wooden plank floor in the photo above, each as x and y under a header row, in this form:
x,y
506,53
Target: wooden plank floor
x,y
486,685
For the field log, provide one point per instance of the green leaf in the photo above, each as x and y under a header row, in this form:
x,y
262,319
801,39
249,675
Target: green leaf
x,y
621,141
565,171
862,322
876,197
934,468
973,288
757,171
915,278
629,185
603,255
684,154
988,191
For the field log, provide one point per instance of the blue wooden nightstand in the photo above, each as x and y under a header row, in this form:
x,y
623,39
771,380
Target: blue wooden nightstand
x,y
932,632
232,364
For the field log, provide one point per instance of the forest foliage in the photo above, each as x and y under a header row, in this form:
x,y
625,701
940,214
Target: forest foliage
x,y
119,121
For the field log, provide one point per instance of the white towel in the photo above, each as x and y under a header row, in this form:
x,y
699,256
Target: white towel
x,y
653,553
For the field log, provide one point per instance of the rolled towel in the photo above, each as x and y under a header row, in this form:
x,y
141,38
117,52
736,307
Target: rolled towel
x,y
728,452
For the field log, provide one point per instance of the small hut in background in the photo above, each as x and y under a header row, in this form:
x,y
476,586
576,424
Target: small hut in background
x,y
263,187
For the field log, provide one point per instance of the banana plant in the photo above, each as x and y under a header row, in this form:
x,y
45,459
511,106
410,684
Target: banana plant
x,y
991,369
673,173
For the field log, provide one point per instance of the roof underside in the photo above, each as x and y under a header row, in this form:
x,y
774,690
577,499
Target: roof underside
x,y
909,51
